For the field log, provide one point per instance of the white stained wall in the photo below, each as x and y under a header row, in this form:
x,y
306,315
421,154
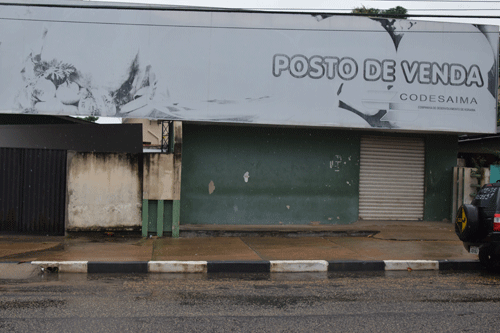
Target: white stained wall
x,y
104,191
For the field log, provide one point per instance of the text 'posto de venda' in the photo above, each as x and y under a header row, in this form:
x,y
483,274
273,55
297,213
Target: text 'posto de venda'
x,y
346,68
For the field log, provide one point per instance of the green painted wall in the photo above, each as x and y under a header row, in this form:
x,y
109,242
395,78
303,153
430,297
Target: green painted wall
x,y
494,173
440,158
296,175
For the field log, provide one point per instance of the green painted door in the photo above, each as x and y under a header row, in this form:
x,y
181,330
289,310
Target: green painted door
x,y
268,176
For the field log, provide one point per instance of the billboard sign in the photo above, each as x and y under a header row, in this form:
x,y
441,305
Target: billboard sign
x,y
260,68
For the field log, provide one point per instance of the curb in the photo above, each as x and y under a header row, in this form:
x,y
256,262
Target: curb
x,y
272,266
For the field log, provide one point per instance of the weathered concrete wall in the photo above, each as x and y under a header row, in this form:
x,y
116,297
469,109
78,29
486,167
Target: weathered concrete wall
x,y
104,191
162,172
159,177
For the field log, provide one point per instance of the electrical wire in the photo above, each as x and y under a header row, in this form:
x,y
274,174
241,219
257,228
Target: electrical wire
x,y
409,10
434,1
332,11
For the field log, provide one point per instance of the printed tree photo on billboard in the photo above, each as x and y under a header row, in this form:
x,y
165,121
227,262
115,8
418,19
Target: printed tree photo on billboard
x,y
259,68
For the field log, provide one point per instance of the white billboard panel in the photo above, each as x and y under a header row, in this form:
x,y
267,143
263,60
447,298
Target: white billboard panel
x,y
262,68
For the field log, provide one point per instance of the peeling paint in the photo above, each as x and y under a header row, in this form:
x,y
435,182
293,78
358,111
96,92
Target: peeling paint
x,y
246,176
211,187
335,164
287,206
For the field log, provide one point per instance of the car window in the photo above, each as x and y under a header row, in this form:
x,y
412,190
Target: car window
x,y
486,197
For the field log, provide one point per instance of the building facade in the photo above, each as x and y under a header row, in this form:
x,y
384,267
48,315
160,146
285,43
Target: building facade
x,y
284,175
279,118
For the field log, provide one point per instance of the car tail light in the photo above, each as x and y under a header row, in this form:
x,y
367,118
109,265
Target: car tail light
x,y
496,222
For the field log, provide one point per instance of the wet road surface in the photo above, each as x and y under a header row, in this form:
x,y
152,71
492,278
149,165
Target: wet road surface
x,y
333,302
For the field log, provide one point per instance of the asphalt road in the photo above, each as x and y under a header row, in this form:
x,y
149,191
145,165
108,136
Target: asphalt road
x,y
334,302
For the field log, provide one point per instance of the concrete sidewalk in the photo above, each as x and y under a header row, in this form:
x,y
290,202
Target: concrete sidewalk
x,y
362,241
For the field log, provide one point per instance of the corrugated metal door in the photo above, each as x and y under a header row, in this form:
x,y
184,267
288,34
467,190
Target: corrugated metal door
x,y
10,189
391,185
33,191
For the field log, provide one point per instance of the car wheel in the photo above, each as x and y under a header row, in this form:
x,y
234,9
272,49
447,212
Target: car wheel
x,y
467,223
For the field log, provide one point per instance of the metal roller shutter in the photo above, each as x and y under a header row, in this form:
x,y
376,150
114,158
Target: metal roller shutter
x,y
391,185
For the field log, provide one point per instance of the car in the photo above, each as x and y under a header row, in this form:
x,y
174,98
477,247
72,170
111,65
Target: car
x,y
478,225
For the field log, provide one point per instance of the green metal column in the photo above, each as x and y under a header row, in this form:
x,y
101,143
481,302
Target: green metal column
x,y
145,215
159,219
176,216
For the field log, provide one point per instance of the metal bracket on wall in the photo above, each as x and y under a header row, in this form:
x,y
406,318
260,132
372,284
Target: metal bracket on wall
x,y
167,135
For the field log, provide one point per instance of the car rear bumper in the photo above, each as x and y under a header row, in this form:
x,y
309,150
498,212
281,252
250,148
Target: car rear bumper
x,y
492,238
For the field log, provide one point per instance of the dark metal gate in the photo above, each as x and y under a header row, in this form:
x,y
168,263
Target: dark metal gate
x,y
32,191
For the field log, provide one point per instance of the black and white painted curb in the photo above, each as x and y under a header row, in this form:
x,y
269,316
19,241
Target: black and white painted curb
x,y
273,266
